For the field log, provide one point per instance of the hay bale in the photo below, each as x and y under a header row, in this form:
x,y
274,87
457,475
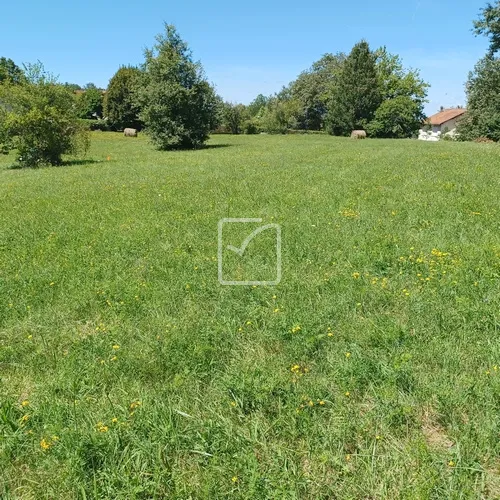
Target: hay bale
x,y
358,134
130,132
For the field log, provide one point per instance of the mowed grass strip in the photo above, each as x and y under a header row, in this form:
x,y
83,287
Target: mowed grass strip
x,y
370,371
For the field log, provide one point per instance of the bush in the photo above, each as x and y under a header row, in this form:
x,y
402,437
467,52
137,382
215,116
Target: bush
x,y
102,125
250,127
38,118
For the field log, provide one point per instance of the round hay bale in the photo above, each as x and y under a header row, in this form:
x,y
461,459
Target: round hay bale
x,y
358,134
130,132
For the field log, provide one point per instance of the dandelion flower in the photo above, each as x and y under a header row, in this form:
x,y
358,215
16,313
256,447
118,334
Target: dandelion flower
x,y
45,444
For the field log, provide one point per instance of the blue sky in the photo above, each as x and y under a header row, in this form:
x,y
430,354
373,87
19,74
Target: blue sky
x,y
246,48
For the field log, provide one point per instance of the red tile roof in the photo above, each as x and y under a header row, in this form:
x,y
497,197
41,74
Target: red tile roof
x,y
445,115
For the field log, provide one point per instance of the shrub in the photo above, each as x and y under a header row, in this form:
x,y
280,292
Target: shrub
x,y
38,118
250,127
102,125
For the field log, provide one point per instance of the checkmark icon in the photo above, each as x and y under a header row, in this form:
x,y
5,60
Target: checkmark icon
x,y
240,250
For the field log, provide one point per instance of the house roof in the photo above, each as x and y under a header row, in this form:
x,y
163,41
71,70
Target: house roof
x,y
445,116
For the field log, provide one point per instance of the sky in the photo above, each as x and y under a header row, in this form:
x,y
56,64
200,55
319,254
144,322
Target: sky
x,y
246,48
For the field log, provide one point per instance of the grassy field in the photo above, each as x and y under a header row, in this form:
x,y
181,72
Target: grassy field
x,y
370,371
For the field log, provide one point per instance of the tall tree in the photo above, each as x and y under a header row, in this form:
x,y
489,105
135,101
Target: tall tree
x,y
488,24
10,71
120,103
257,105
178,105
403,95
483,102
355,95
311,90
90,102
233,116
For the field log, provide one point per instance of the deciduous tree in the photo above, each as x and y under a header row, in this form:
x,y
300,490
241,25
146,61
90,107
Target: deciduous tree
x,y
120,101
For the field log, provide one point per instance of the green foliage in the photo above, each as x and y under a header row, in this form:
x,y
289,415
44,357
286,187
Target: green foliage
x,y
279,116
256,107
233,117
38,119
489,25
72,86
10,72
120,101
251,126
396,118
355,94
311,90
178,106
90,102
483,102
102,125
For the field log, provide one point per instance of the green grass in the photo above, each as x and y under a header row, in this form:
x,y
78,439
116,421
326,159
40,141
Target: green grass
x,y
370,371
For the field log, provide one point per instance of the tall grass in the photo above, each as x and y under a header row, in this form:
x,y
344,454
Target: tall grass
x,y
370,371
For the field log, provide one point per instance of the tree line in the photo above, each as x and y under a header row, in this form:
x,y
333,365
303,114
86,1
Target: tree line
x,y
170,98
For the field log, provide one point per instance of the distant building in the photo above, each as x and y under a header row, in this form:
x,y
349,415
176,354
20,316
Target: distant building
x,y
445,120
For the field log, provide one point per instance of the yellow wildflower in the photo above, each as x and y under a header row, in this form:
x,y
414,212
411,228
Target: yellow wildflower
x,y
45,444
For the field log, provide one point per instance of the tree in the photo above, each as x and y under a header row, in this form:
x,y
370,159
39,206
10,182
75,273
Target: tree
x,y
9,71
355,94
90,102
257,105
280,115
489,25
403,95
120,103
178,106
38,118
311,88
396,118
233,116
483,102
72,86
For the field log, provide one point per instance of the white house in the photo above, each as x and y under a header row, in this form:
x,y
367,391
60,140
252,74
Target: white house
x,y
445,119
444,122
